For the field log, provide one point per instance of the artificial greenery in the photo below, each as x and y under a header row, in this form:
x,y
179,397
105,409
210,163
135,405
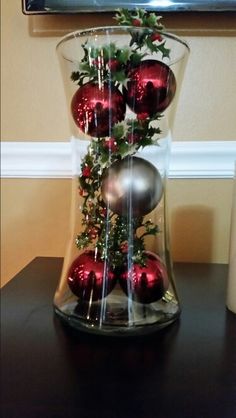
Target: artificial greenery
x,y
114,62
104,229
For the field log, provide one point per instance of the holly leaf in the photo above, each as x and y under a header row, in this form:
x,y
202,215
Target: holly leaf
x,y
138,37
123,16
136,58
141,13
124,149
87,71
123,55
120,76
118,130
153,230
75,75
104,157
150,20
108,51
153,47
152,131
83,240
85,67
165,51
145,142
150,229
94,52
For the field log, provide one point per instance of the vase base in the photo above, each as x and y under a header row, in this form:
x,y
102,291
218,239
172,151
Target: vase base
x,y
116,330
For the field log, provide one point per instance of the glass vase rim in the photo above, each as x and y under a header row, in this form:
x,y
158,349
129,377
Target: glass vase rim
x,y
82,32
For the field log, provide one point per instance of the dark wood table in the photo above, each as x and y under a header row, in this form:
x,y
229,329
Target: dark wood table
x,y
50,371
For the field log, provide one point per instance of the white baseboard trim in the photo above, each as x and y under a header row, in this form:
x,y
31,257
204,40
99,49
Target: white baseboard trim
x,y
193,159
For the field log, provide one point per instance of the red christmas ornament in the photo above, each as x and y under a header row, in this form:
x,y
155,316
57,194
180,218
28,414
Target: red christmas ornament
x,y
89,279
151,88
145,284
95,109
155,257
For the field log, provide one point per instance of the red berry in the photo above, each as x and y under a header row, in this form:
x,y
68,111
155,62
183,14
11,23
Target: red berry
x,y
103,211
82,192
142,116
92,233
97,62
124,247
113,64
111,144
133,138
156,37
86,172
136,22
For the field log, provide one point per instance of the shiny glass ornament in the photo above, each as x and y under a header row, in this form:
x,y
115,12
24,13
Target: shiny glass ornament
x,y
132,181
96,108
122,86
144,283
85,277
151,87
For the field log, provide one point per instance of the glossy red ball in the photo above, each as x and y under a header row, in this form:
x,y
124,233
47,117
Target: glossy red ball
x,y
96,108
151,88
145,284
89,279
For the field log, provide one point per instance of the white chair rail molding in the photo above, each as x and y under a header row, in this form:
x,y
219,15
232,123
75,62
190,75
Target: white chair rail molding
x,y
50,159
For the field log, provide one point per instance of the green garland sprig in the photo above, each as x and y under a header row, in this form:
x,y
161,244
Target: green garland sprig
x,y
113,62
102,228
138,17
146,38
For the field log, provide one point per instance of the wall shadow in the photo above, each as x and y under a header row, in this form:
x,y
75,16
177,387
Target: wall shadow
x,y
192,233
182,24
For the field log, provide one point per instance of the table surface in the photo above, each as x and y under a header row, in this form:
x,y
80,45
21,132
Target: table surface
x,y
187,370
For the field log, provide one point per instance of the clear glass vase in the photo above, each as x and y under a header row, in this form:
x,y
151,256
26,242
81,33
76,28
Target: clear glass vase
x,y
122,86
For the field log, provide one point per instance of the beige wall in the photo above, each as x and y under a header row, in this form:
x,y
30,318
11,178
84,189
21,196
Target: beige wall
x,y
32,92
35,212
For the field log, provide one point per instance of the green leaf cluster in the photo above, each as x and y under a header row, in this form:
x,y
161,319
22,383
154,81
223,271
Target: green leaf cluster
x,y
109,229
102,227
127,17
148,21
107,63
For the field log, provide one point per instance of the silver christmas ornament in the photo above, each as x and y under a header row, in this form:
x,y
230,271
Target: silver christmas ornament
x,y
132,185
